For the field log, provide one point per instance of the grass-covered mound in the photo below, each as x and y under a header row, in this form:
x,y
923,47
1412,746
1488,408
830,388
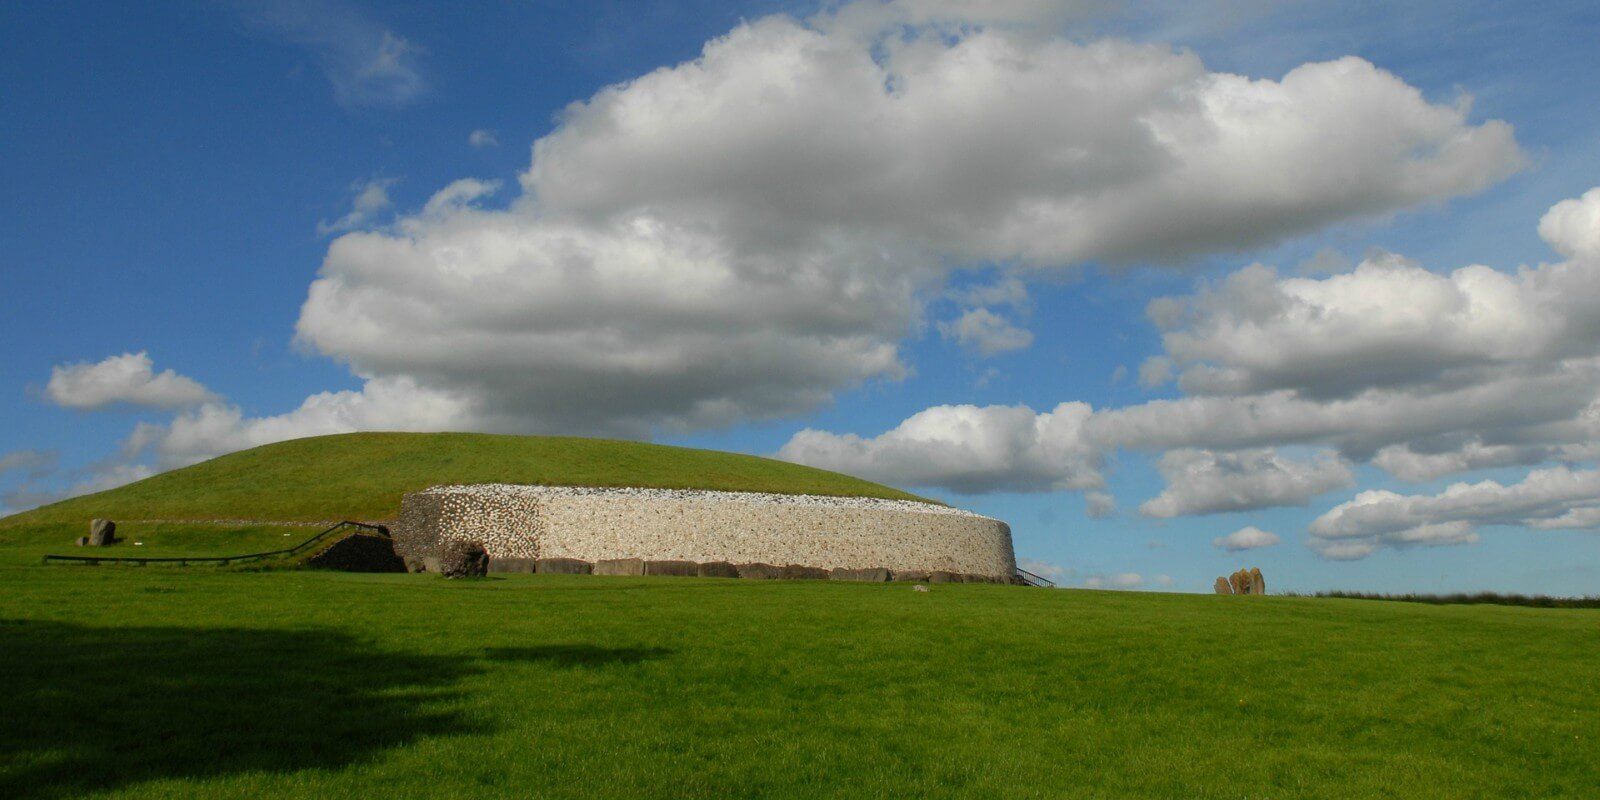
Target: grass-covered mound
x,y
363,475
148,683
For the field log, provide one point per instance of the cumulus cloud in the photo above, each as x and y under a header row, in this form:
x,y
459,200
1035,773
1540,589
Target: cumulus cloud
x,y
1206,482
985,332
1572,227
965,448
1247,538
129,378
1553,498
483,137
366,63
743,235
371,198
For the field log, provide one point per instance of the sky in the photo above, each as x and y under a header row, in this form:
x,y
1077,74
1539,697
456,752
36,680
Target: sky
x,y
1171,288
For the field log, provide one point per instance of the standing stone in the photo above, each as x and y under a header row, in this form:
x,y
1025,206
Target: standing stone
x,y
102,532
1240,582
1258,584
463,559
1222,586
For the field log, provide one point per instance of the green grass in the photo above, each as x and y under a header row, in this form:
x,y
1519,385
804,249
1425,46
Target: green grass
x,y
363,475
168,683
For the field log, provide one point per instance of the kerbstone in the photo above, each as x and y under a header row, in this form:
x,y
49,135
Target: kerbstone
x,y
619,566
878,575
681,569
564,566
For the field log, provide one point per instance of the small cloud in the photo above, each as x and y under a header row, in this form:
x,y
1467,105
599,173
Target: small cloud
x,y
1119,374
1155,371
371,199
1100,505
1120,580
1045,568
985,332
366,63
32,464
129,378
483,137
1248,538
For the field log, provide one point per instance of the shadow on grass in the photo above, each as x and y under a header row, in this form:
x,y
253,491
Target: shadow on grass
x,y
87,709
575,655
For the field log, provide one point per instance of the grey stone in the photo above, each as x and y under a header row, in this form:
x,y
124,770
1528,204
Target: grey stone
x,y
1222,586
913,575
619,566
878,575
83,541
758,571
798,572
681,569
102,532
565,566
511,565
718,569
920,588
941,576
463,559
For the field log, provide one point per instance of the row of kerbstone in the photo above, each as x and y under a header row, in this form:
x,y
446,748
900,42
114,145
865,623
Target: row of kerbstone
x,y
724,569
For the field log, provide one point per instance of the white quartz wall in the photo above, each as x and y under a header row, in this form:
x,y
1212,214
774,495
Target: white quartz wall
x,y
702,526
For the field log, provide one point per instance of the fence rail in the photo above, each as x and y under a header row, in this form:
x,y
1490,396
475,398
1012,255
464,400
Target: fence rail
x,y
184,561
1035,580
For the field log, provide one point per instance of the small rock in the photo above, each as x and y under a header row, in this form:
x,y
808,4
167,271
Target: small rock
x,y
920,588
83,541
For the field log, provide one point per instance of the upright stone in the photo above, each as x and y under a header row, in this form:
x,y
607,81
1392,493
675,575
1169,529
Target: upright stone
x,y
463,559
1258,584
102,532
1222,586
1240,581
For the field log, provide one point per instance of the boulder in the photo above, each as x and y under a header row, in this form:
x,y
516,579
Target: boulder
x,y
523,565
759,571
1222,586
877,575
463,559
619,566
681,569
942,576
913,575
563,566
102,532
1258,584
718,569
798,572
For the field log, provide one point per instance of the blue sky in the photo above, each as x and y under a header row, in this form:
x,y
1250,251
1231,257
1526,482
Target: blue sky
x,y
178,174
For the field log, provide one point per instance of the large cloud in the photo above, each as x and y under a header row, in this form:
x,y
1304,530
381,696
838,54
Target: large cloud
x,y
1553,498
1204,482
740,236
965,449
129,378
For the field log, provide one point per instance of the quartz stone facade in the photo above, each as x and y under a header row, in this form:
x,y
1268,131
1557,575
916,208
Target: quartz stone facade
x,y
545,522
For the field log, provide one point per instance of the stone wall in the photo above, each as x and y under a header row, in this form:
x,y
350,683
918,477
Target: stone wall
x,y
542,522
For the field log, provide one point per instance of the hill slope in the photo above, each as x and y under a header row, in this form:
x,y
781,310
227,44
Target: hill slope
x,y
363,475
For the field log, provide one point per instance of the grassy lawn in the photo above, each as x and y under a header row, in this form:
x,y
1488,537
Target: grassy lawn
x,y
363,475
165,683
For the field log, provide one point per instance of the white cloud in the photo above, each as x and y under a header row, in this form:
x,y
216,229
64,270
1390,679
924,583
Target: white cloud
x,y
129,378
1155,371
1099,505
1120,580
965,448
31,463
371,198
483,137
985,332
1247,538
1554,498
743,235
366,63
1207,482
1572,227
1042,568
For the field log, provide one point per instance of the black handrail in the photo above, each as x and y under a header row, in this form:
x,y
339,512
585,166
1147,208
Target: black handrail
x,y
1035,580
184,561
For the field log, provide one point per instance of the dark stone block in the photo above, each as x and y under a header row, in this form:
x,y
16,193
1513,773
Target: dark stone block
x,y
798,572
102,532
463,559
718,569
681,569
511,565
912,575
875,575
759,571
359,552
941,576
619,566
565,566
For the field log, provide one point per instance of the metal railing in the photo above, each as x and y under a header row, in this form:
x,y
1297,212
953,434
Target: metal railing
x,y
1035,580
184,561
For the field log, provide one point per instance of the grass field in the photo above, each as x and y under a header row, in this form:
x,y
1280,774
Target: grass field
x,y
169,683
363,475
